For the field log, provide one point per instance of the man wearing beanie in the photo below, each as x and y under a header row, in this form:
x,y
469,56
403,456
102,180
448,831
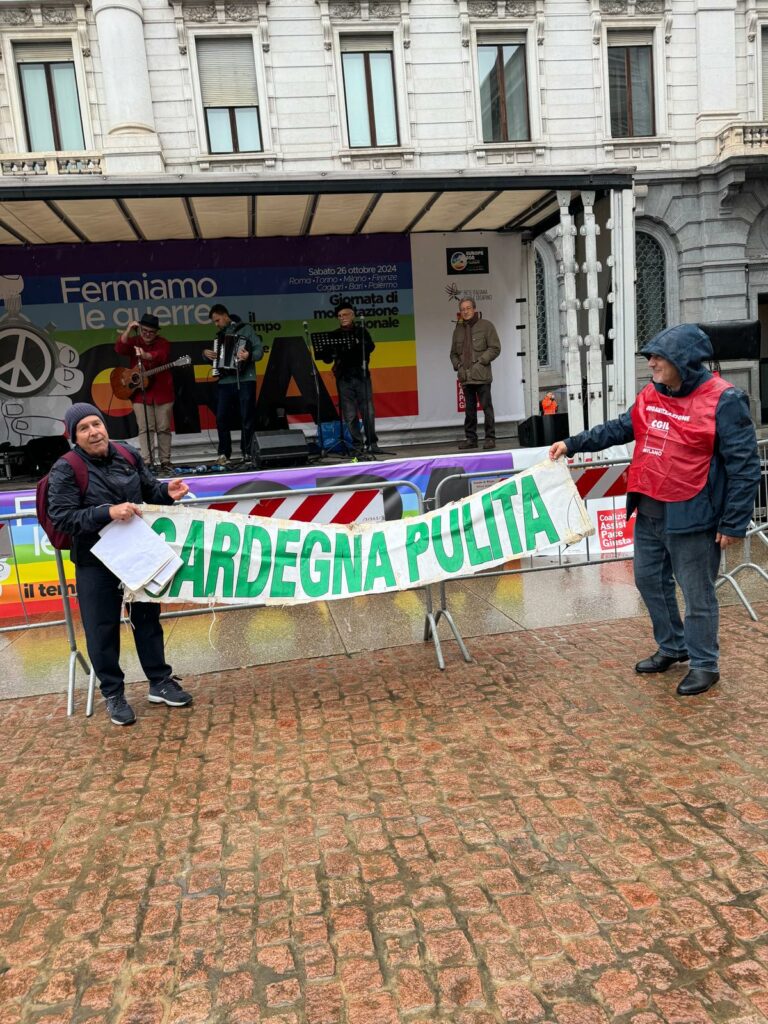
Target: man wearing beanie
x,y
354,346
153,406
117,482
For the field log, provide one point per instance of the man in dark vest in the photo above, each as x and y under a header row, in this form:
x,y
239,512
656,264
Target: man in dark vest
x,y
693,481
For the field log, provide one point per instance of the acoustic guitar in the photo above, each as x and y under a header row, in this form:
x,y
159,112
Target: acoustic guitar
x,y
125,383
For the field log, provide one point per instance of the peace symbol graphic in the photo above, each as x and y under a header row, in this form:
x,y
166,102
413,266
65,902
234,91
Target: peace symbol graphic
x,y
32,361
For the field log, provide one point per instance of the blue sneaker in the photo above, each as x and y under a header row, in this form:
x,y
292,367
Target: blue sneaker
x,y
120,711
169,692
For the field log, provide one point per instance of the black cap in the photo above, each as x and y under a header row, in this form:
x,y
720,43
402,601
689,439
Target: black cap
x,y
150,320
343,305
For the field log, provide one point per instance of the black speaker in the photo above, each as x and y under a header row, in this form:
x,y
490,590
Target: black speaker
x,y
530,432
279,448
554,427
40,453
734,339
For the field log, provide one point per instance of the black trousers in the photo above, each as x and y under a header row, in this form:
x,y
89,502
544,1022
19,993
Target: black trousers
x,y
100,599
232,399
356,398
472,394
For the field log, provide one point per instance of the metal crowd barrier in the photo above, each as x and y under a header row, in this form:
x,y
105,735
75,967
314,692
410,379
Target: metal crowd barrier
x,y
758,530
76,657
531,563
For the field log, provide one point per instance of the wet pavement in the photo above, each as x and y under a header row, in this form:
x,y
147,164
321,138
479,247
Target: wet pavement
x,y
340,833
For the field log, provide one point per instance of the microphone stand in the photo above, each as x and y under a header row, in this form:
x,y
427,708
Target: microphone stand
x,y
150,444
367,398
316,381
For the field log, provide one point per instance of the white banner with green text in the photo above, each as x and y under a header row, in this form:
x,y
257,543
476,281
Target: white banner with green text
x,y
229,558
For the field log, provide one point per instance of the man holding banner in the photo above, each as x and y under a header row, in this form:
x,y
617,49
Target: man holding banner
x,y
693,479
109,486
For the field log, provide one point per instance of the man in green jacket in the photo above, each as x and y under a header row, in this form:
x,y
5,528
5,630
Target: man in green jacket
x,y
474,347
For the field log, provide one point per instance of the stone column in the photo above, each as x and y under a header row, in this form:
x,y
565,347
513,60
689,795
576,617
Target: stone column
x,y
131,145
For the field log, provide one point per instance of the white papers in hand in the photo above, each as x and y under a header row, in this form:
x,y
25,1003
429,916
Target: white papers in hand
x,y
133,552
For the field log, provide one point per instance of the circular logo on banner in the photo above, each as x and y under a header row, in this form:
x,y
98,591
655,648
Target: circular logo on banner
x,y
458,261
29,358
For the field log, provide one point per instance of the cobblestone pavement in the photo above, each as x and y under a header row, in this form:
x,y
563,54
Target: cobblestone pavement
x,y
541,836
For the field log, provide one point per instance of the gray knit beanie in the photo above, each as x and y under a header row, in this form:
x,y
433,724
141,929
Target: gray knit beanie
x,y
78,411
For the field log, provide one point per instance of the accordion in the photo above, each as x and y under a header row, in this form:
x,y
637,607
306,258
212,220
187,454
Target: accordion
x,y
226,351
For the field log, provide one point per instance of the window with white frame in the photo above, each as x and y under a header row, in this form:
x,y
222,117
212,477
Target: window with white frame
x,y
229,93
650,287
501,65
49,99
630,84
367,64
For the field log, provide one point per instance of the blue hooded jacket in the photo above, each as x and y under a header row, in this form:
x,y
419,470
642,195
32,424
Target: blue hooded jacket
x,y
727,500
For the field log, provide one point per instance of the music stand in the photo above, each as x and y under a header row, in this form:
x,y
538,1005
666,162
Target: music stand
x,y
326,345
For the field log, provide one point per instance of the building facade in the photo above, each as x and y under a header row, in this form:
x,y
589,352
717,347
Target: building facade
x,y
674,91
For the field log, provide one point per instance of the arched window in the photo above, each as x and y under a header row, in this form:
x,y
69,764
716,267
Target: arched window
x,y
650,287
542,334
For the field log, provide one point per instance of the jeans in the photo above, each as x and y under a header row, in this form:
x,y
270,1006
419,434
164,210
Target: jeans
x,y
693,559
473,393
356,398
101,599
232,399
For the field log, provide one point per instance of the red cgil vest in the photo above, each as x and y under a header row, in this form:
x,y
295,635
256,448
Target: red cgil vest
x,y
674,441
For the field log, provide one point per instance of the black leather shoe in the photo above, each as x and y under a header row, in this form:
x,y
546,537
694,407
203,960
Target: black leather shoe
x,y
658,662
698,680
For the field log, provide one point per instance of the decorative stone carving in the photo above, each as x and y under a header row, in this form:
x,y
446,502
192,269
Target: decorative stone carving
x,y
58,15
650,6
384,10
240,12
752,23
344,11
519,8
201,12
613,6
15,16
482,8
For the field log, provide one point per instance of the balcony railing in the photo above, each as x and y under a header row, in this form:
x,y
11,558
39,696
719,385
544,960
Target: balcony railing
x,y
35,164
738,139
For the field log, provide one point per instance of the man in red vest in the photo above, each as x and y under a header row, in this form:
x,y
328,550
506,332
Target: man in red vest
x,y
693,481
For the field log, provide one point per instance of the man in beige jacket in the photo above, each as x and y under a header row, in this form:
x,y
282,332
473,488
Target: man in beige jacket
x,y
474,347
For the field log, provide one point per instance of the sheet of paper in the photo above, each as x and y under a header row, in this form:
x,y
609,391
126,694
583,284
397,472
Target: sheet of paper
x,y
132,551
163,577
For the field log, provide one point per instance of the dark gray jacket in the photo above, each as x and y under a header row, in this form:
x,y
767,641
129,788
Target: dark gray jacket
x,y
111,481
727,500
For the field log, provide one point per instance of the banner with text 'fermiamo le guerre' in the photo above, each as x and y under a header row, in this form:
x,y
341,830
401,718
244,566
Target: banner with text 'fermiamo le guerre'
x,y
229,558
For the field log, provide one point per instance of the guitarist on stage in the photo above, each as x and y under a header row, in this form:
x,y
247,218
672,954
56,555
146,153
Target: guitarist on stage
x,y
152,406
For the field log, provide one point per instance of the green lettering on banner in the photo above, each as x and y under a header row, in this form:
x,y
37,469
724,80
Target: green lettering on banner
x,y
490,525
252,588
416,543
284,558
222,559
166,528
347,565
535,515
315,586
504,498
454,561
193,556
379,562
477,555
